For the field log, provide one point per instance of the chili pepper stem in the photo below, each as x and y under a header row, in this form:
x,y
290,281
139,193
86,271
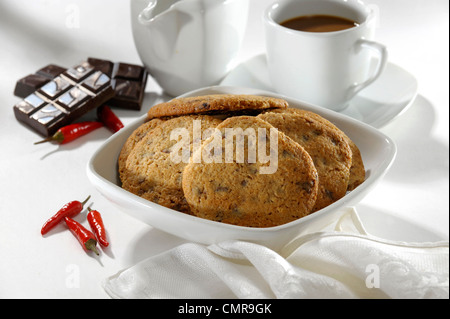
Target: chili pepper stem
x,y
48,139
91,245
85,201
57,137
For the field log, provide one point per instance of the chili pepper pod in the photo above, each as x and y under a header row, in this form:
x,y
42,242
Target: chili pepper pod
x,y
68,210
96,222
85,237
71,132
109,118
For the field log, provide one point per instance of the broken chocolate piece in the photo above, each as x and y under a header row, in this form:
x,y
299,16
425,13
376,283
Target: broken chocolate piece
x,y
128,81
64,98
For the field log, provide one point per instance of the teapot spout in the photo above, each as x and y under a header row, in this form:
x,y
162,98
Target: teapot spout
x,y
165,21
161,9
147,15
154,10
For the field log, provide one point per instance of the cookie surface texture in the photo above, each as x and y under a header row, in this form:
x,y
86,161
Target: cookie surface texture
x,y
215,104
153,168
357,170
247,190
329,151
132,140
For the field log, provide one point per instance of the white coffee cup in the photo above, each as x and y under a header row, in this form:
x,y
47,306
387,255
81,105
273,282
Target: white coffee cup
x,y
323,68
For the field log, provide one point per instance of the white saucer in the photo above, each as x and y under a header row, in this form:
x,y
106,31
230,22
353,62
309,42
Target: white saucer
x,y
388,97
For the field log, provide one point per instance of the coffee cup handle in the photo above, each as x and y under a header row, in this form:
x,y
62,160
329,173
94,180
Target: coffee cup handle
x,y
382,54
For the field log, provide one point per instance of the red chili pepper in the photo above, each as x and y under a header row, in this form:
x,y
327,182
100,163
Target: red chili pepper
x,y
107,117
84,236
68,210
96,222
70,132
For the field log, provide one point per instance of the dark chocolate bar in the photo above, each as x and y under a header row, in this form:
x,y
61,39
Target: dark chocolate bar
x,y
128,81
30,83
65,98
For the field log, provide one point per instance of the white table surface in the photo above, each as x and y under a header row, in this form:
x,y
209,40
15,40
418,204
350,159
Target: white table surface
x,y
36,180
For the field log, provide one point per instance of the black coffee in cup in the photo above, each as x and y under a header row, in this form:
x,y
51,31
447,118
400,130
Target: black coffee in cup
x,y
319,23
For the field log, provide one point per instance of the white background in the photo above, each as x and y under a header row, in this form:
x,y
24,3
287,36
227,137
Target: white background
x,y
36,180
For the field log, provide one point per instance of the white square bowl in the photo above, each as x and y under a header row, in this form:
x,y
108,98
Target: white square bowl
x,y
378,152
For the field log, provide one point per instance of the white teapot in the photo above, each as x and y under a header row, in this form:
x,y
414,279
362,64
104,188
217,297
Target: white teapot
x,y
188,44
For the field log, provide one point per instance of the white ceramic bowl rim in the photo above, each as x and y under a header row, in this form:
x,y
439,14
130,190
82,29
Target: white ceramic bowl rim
x,y
107,182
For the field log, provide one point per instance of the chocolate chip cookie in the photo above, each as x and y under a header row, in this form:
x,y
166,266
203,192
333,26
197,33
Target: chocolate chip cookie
x,y
268,180
153,168
132,140
357,169
328,149
216,104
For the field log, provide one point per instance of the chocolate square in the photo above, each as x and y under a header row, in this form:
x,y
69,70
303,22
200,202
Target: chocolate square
x,y
102,65
51,71
96,81
72,99
79,72
127,90
55,87
34,100
47,114
128,71
25,107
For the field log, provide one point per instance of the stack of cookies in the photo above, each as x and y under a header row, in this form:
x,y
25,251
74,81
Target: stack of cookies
x,y
294,164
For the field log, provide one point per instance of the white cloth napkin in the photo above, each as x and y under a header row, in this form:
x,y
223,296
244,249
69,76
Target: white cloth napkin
x,y
341,261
